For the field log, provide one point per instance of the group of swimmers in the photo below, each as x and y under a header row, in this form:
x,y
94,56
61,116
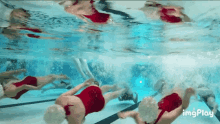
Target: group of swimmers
x,y
85,10
74,108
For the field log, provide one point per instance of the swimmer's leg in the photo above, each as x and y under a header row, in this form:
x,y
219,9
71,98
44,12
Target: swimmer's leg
x,y
86,68
49,88
57,86
78,66
113,95
12,73
211,102
106,88
49,79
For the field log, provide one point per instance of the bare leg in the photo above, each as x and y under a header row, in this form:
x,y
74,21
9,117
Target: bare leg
x,y
113,95
188,93
106,88
86,68
49,88
11,73
54,87
49,79
79,67
211,102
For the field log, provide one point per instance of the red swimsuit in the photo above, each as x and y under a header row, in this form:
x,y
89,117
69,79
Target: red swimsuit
x,y
32,29
169,18
67,109
33,36
29,81
168,103
96,17
92,99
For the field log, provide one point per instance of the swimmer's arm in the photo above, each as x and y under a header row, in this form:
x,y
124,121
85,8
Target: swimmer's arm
x,y
11,73
74,90
138,120
133,114
81,17
171,116
127,114
77,88
7,74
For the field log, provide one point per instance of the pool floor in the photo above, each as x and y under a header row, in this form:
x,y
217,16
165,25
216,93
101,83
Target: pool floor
x,y
34,113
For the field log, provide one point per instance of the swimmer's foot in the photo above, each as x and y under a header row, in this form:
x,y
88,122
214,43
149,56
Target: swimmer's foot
x,y
127,96
68,85
62,76
135,99
63,82
215,109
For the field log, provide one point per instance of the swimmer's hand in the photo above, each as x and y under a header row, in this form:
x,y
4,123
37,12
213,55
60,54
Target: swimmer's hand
x,y
89,82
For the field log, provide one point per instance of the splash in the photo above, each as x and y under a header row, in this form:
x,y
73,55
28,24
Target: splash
x,y
119,68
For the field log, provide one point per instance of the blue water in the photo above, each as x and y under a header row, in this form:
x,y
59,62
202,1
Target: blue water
x,y
136,51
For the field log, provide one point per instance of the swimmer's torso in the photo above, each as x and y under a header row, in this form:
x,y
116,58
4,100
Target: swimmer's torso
x,y
77,108
10,89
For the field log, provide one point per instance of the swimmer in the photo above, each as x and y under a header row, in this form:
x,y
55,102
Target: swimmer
x,y
166,111
85,10
75,108
61,85
82,67
128,95
170,14
208,96
18,22
12,87
12,32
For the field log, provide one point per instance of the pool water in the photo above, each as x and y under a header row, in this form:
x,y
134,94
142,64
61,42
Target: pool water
x,y
135,50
